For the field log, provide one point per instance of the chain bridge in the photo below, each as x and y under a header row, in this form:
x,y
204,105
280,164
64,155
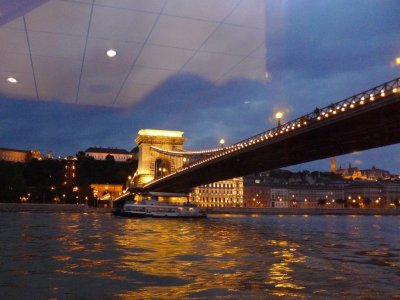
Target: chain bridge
x,y
366,120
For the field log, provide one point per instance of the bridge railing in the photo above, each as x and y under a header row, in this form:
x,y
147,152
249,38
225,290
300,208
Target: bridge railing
x,y
318,115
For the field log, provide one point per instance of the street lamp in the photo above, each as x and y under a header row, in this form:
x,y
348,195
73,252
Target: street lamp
x,y
397,60
162,171
128,181
279,116
222,142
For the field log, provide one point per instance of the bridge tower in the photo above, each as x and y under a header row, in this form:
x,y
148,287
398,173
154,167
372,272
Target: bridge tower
x,y
152,164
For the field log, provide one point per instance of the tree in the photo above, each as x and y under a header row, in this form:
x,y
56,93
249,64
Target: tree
x,y
367,201
12,182
110,158
341,201
43,178
80,155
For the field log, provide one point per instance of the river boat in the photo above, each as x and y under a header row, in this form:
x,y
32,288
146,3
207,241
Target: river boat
x,y
156,209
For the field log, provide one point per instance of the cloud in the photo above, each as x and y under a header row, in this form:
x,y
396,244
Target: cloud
x,y
203,110
318,52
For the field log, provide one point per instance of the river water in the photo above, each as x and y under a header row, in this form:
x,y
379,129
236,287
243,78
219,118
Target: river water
x,y
88,256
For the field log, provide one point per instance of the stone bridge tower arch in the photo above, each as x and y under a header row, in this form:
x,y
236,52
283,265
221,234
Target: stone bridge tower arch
x,y
152,164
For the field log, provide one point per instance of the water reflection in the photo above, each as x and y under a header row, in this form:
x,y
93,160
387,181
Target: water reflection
x,y
279,274
71,256
188,259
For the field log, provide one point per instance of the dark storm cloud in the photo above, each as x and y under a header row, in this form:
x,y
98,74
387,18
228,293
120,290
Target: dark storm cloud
x,y
60,127
205,112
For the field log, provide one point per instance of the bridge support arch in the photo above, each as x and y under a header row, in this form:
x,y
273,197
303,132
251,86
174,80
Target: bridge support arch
x,y
153,164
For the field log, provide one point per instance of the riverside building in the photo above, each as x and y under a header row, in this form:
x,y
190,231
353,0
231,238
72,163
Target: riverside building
x,y
227,193
368,174
351,194
102,153
256,195
17,155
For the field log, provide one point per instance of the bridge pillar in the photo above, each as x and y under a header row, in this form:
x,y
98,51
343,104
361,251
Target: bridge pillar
x,y
152,164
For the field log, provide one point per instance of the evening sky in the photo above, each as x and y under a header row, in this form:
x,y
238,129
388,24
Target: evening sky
x,y
317,53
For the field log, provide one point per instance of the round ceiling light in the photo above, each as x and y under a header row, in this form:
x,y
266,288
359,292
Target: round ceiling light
x,y
111,53
12,80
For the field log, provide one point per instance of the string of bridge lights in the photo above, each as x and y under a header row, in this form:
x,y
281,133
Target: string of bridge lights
x,y
339,108
186,152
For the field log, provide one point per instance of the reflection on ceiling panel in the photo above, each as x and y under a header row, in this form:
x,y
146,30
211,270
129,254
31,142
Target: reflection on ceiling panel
x,y
57,50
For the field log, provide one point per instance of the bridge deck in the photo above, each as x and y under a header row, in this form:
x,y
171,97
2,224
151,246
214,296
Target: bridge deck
x,y
375,124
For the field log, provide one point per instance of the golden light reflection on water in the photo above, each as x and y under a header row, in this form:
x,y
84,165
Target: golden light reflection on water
x,y
61,258
206,259
81,237
279,275
75,256
187,258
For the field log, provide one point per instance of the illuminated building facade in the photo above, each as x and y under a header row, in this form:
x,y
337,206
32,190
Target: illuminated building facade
x,y
367,174
364,194
106,193
284,189
305,196
376,174
314,196
256,195
153,164
279,197
16,155
391,192
227,193
353,194
350,173
70,170
102,153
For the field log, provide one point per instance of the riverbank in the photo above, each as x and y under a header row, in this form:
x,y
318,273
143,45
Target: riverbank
x,y
42,207
304,211
82,208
